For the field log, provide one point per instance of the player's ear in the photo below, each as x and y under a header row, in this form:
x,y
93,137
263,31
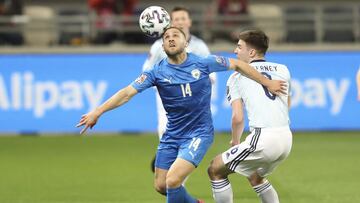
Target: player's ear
x,y
186,44
252,52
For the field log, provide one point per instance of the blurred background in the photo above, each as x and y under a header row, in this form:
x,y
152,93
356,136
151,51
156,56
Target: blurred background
x,y
60,59
96,22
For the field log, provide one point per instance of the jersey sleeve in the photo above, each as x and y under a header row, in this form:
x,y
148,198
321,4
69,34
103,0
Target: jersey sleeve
x,y
216,63
144,81
233,88
155,55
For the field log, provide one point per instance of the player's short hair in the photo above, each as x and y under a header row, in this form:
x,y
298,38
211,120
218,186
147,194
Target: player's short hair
x,y
162,36
180,8
256,39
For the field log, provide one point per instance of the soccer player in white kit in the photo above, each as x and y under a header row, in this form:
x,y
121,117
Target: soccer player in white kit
x,y
270,140
180,17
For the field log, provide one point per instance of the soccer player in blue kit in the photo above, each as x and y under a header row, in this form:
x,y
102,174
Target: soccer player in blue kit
x,y
182,80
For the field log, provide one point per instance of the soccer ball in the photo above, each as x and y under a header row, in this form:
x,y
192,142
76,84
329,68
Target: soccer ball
x,y
154,20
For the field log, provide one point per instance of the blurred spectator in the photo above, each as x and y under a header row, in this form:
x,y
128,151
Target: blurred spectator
x,y
232,7
8,9
71,32
107,12
234,17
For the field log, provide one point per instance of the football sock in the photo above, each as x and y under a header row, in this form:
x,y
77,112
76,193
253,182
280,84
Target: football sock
x,y
267,193
178,195
222,191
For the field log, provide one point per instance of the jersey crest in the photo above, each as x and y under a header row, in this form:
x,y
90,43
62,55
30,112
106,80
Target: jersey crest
x,y
195,73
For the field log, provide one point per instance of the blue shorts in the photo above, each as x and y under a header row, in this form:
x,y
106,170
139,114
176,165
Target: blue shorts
x,y
191,149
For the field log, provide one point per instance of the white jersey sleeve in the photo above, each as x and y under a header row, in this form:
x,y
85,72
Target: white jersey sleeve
x,y
263,108
233,88
155,55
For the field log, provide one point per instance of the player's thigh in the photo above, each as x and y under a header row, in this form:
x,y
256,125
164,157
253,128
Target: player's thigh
x,y
166,155
178,171
193,150
245,157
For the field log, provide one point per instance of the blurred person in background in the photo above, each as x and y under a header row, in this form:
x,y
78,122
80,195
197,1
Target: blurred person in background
x,y
358,84
9,8
232,7
180,17
107,11
235,17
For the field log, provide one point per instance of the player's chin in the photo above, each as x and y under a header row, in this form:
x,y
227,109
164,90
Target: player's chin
x,y
172,52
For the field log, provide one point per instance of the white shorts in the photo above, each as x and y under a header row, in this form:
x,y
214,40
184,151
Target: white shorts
x,y
262,151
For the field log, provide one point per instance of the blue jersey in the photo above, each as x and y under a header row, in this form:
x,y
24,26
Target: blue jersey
x,y
185,91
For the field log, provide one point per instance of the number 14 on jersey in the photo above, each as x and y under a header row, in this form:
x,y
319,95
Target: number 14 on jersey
x,y
186,90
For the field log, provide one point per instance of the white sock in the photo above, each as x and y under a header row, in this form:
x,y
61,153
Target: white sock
x,y
222,191
267,193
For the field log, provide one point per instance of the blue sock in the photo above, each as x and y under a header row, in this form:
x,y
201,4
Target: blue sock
x,y
178,195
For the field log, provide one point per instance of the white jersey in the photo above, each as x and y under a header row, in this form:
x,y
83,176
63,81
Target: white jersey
x,y
264,109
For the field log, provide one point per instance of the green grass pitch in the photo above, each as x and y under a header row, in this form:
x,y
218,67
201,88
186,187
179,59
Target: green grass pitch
x,y
322,168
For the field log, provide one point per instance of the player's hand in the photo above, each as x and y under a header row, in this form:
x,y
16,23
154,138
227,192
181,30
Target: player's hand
x,y
277,87
88,120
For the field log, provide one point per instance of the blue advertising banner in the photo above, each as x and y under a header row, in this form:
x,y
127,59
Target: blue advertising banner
x,y
50,92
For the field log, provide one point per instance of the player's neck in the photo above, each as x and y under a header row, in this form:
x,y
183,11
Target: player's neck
x,y
258,58
188,36
178,58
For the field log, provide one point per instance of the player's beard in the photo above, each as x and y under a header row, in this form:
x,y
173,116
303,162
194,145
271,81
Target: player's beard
x,y
172,53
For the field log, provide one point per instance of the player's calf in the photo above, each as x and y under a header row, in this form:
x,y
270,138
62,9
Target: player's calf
x,y
263,188
220,184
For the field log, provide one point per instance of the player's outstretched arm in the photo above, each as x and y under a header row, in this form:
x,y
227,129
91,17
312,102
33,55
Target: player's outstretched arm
x,y
274,86
118,99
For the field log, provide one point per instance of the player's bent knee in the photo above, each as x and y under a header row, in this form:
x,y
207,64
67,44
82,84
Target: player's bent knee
x,y
211,170
173,181
160,188
256,179
214,170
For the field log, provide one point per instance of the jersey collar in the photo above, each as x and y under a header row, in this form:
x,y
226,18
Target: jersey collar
x,y
258,60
